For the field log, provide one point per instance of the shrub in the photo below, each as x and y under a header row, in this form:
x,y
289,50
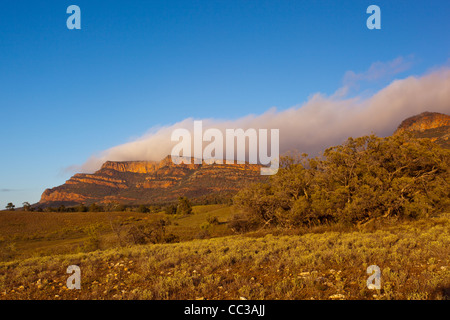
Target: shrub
x,y
95,208
81,208
170,209
143,209
212,220
242,223
362,179
184,206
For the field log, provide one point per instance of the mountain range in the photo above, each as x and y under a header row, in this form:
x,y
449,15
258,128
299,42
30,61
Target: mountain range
x,y
146,182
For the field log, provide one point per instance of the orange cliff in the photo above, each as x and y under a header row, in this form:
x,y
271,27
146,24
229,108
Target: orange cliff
x,y
424,121
135,182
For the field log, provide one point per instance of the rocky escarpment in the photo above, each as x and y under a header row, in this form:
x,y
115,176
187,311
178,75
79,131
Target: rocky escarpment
x,y
431,125
424,121
135,182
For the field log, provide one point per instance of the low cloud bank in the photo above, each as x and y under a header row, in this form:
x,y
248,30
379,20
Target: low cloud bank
x,y
319,123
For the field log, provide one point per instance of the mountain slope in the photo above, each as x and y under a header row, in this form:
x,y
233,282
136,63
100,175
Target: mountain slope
x,y
137,182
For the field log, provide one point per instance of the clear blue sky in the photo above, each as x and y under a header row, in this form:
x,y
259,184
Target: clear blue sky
x,y
66,94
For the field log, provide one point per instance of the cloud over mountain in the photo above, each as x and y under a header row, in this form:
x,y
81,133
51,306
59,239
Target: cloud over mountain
x,y
321,122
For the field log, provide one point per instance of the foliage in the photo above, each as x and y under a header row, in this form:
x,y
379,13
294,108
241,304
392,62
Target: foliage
x,y
10,206
26,206
412,256
184,206
170,209
363,179
95,208
212,219
143,209
154,232
81,208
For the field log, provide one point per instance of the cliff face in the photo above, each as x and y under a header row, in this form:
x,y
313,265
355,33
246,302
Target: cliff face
x,y
430,125
136,182
424,121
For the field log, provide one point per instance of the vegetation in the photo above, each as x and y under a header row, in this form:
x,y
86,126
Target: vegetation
x,y
10,206
365,178
143,209
184,206
34,234
26,206
313,264
310,232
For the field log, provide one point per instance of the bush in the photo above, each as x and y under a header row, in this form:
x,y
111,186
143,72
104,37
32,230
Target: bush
x,y
184,206
171,209
143,209
154,232
362,179
242,223
212,220
81,208
95,208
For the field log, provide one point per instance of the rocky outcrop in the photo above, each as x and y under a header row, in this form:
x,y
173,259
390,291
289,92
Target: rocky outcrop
x,y
424,121
136,182
428,125
52,195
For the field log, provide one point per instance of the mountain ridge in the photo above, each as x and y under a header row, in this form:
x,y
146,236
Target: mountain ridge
x,y
135,182
138,182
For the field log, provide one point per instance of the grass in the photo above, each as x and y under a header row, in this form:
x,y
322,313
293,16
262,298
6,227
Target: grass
x,y
32,234
322,264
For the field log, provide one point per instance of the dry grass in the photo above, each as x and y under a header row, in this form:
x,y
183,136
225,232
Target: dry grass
x,y
37,234
413,257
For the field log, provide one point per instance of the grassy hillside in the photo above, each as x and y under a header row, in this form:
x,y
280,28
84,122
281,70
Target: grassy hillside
x,y
33,234
316,263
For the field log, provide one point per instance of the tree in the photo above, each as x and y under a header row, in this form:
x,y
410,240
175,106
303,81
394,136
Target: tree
x,y
95,208
26,206
143,209
362,179
170,209
81,208
184,206
10,206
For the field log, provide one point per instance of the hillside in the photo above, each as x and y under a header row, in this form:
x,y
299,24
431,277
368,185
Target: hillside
x,y
137,182
412,257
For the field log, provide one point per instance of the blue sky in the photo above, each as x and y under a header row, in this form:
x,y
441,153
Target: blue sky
x,y
68,94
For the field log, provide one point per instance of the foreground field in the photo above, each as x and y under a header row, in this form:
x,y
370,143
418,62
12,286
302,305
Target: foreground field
x,y
413,258
36,234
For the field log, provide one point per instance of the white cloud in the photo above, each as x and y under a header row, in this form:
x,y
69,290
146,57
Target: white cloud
x,y
319,123
378,71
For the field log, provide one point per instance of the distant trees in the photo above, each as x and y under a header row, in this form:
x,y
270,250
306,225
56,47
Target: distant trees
x,y
10,206
364,178
95,208
81,208
183,206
